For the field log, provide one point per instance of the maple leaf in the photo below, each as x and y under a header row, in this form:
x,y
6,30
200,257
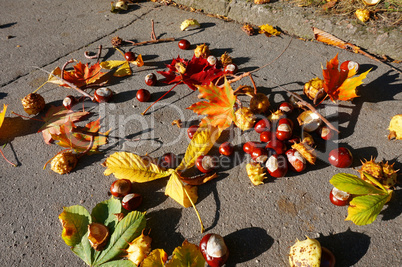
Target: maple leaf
x,y
81,139
82,75
219,108
55,117
339,85
197,71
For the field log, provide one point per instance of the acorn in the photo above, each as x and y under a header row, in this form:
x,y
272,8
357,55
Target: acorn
x,y
64,162
313,89
33,103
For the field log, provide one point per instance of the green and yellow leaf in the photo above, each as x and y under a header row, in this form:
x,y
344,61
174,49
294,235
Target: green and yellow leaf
x,y
203,140
364,209
188,255
130,166
354,185
75,220
180,192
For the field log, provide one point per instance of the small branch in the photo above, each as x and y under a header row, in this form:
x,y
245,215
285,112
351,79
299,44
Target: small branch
x,y
14,165
97,56
68,83
309,106
153,35
89,147
252,81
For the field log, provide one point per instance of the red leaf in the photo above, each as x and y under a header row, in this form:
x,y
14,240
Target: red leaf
x,y
197,71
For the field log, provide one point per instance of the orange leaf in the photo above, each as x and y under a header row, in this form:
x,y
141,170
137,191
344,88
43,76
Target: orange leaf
x,y
348,88
331,76
81,76
327,38
218,108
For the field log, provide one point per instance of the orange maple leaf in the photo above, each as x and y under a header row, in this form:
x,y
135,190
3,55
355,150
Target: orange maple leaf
x,y
220,105
340,85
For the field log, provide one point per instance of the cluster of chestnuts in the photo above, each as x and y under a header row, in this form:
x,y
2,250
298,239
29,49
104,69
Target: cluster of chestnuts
x,y
122,188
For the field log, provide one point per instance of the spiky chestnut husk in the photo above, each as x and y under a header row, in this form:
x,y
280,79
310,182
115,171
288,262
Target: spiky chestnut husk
x,y
276,115
312,89
256,173
202,51
306,151
395,127
33,103
245,119
383,172
116,41
247,28
139,248
226,59
64,162
305,253
362,14
259,103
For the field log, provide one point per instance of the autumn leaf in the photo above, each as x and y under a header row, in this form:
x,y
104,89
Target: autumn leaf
x,y
197,71
81,139
187,255
368,200
156,258
219,107
75,220
185,195
202,141
328,38
130,166
3,114
339,86
123,66
364,210
57,116
82,75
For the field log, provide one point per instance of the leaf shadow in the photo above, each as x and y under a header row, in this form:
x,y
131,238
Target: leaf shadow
x,y
17,126
247,244
393,209
7,25
3,95
348,247
165,230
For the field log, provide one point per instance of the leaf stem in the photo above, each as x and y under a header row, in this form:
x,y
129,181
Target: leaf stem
x,y
14,165
196,211
145,111
25,117
39,87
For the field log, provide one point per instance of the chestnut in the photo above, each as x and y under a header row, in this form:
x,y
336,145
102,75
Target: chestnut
x,y
259,154
168,161
325,132
103,94
262,126
284,129
205,164
349,65
120,187
69,101
226,149
340,157
338,197
277,165
286,107
131,201
214,250
192,130
230,69
296,160
212,60
150,79
277,145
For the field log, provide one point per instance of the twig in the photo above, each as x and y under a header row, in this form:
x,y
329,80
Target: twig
x,y
89,147
14,165
25,117
97,56
153,40
68,83
145,111
309,106
153,35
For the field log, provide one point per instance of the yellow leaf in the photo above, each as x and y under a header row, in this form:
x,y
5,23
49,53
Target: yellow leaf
x,y
138,62
188,255
3,114
202,142
130,166
52,79
124,70
111,64
177,190
268,30
363,210
75,220
347,90
156,258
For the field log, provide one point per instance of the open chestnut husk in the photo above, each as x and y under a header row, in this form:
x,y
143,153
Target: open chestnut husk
x,y
98,235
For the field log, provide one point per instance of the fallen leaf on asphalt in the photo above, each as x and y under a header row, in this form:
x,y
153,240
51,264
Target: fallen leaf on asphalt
x,y
395,127
186,255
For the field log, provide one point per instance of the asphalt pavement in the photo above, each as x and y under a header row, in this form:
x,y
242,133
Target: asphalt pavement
x,y
259,223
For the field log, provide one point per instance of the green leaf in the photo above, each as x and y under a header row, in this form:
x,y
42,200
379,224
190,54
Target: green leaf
x,y
130,166
364,209
84,250
354,185
374,181
119,263
202,142
126,230
75,220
